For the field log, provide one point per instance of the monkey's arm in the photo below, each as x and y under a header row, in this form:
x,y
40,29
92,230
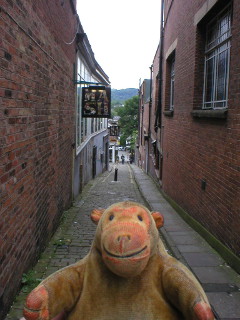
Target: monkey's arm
x,y
184,291
56,294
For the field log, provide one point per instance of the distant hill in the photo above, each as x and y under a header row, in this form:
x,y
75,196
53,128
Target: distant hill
x,y
123,94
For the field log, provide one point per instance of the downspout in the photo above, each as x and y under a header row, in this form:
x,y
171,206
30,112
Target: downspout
x,y
158,119
139,122
149,117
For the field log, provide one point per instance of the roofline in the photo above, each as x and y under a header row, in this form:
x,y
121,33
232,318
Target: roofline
x,y
85,48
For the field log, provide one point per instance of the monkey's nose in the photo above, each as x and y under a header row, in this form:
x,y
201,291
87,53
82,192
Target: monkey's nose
x,y
123,242
123,238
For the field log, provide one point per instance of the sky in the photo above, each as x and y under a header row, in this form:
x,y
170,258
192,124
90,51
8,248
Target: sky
x,y
124,37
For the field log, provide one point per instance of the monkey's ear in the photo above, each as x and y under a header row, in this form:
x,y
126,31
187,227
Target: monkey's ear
x,y
96,215
158,218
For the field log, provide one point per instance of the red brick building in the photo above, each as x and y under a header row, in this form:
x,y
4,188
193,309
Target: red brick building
x,y
197,116
148,154
144,113
43,139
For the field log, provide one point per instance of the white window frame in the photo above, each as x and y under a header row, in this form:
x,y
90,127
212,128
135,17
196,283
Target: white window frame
x,y
219,44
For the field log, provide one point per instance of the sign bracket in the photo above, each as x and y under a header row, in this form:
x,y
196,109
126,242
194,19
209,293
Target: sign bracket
x,y
88,82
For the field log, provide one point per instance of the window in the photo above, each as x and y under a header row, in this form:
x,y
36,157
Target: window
x,y
155,152
170,85
172,79
217,55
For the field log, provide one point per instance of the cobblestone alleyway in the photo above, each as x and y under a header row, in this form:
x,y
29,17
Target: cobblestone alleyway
x,y
73,239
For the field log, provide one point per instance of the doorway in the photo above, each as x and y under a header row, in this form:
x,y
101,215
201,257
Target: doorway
x,y
94,161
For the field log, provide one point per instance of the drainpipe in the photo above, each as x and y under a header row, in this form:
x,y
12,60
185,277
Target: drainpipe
x,y
139,121
158,119
149,117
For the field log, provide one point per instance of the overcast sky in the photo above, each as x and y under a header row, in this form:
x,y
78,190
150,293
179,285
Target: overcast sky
x,y
124,36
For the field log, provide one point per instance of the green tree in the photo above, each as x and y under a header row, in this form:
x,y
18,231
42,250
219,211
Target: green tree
x,y
128,119
116,103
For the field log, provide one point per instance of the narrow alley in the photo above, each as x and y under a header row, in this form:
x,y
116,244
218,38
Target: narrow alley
x,y
73,239
78,134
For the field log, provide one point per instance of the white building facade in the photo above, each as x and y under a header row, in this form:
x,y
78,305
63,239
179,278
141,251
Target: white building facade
x,y
92,139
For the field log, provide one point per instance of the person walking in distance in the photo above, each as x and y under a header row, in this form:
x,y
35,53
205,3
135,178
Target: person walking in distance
x,y
123,158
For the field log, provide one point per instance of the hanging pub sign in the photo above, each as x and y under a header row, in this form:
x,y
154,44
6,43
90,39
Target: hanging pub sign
x,y
96,102
114,130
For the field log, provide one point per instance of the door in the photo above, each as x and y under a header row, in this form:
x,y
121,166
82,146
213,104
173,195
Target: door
x,y
94,161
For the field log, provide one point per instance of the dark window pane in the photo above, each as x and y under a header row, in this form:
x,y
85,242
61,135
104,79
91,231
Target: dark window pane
x,y
220,105
219,29
221,80
172,85
209,91
172,95
212,36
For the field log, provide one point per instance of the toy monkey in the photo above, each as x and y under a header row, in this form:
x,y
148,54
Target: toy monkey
x,y
127,275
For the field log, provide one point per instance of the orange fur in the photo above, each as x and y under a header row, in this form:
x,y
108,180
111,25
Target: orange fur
x,y
127,275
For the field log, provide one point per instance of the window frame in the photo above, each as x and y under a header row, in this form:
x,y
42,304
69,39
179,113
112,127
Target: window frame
x,y
172,83
213,50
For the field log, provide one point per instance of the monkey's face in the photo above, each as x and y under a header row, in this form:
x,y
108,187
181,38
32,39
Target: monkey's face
x,y
126,240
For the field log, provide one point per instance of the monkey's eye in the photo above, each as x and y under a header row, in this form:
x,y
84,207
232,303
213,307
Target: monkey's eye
x,y
111,217
140,218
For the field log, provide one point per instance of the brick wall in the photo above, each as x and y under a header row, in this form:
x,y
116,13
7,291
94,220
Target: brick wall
x,y
155,91
148,147
197,150
144,123
37,108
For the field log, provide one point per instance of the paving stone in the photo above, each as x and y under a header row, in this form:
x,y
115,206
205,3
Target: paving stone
x,y
174,228
51,270
221,287
198,259
190,233
226,305
212,275
192,248
185,239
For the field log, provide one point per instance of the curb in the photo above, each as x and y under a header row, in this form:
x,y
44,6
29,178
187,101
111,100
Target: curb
x,y
167,239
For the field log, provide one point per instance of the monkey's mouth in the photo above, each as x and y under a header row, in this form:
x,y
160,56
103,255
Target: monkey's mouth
x,y
125,255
